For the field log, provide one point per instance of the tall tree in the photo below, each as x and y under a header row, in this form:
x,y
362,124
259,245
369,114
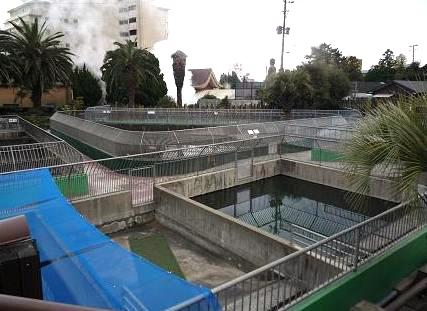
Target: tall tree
x,y
385,70
229,79
127,66
330,84
179,62
326,54
86,86
352,66
9,69
41,60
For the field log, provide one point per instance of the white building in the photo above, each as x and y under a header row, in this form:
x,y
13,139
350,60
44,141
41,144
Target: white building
x,y
142,21
29,11
32,10
87,23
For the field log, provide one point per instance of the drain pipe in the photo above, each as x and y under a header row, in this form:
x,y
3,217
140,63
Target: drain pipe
x,y
405,296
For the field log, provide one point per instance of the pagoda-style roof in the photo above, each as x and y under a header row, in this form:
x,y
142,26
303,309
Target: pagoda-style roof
x,y
204,79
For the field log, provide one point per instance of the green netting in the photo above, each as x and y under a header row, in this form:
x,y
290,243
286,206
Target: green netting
x,y
324,155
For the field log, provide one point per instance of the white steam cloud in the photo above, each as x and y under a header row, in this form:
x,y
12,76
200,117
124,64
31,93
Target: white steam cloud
x,y
90,28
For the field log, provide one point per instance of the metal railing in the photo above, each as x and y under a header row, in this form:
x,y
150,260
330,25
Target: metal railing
x,y
49,150
10,123
288,280
117,142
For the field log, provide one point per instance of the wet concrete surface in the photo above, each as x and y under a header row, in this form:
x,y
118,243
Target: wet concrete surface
x,y
198,265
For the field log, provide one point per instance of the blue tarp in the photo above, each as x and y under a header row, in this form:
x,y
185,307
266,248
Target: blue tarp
x,y
82,266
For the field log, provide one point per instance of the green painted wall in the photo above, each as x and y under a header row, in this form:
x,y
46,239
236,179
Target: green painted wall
x,y
372,281
324,155
73,185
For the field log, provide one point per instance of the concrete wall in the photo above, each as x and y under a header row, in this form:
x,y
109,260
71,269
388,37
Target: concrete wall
x,y
198,185
380,188
114,212
57,96
228,237
223,234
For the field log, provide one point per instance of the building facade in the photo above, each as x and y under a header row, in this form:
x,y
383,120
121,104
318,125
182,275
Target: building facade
x,y
143,22
84,23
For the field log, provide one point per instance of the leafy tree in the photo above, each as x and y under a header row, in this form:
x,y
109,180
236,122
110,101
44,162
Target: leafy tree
x,y
385,70
326,54
391,139
289,89
352,66
132,74
166,102
330,85
178,66
231,79
414,72
225,103
41,62
209,96
9,69
86,86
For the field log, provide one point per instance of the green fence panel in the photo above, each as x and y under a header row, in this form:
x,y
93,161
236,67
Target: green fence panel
x,y
324,155
74,185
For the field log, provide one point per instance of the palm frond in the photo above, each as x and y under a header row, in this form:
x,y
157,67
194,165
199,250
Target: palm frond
x,y
390,141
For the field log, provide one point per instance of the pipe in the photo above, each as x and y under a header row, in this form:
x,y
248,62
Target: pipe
x,y
405,296
14,303
13,230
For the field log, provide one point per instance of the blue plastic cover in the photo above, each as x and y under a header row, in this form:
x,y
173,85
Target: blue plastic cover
x,y
82,266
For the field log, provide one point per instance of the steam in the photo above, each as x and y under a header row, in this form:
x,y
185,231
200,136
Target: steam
x,y
90,28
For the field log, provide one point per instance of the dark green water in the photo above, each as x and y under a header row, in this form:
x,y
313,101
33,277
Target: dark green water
x,y
292,208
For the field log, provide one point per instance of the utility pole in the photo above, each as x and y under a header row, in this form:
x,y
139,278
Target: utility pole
x,y
413,46
283,31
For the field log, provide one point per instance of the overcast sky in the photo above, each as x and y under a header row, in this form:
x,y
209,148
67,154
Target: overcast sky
x,y
220,33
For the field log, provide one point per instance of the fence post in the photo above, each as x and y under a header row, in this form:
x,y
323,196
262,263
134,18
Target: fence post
x,y
357,249
130,184
154,174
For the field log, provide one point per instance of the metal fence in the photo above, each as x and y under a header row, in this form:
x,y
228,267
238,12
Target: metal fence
x,y
9,123
48,151
118,142
200,117
138,173
283,283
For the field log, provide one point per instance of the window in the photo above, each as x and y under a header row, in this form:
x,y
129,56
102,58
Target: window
x,y
123,22
124,34
122,10
66,20
132,8
132,20
132,32
67,45
75,21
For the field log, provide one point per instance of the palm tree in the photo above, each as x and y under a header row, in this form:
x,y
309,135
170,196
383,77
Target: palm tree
x,y
9,70
178,65
42,62
128,63
392,141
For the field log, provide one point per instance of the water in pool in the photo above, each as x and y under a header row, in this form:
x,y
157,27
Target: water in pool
x,y
296,210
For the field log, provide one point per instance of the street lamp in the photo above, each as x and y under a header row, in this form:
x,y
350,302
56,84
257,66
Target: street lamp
x,y
283,30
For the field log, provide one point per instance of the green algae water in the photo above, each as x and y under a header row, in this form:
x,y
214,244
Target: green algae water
x,y
296,210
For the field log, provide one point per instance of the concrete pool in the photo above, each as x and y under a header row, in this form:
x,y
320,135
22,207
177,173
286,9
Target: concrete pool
x,y
293,209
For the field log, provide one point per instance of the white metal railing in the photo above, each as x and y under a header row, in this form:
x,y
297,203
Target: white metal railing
x,y
48,151
288,280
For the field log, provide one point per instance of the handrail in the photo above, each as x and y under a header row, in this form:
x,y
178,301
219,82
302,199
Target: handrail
x,y
306,250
